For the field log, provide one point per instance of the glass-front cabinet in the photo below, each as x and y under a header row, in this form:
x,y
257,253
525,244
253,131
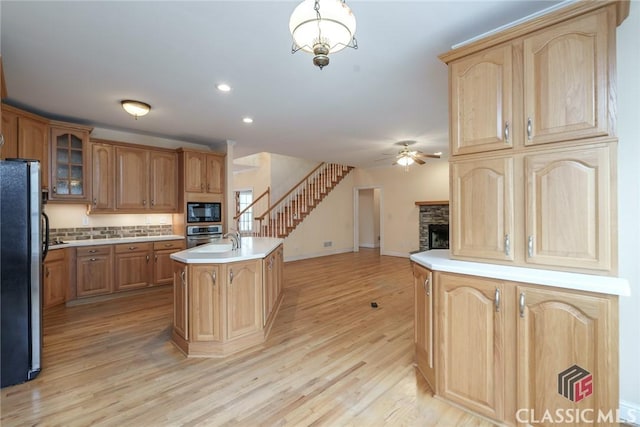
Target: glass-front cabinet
x,y
70,174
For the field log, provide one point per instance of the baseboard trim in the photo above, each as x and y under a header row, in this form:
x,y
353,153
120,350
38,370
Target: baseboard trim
x,y
630,412
317,254
394,253
369,245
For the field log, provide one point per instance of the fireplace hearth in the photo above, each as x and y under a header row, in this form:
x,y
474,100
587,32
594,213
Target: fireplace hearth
x,y
438,236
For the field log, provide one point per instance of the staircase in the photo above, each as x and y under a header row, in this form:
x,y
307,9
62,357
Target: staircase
x,y
282,217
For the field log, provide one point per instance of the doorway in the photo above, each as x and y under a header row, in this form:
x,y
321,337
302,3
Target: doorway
x,y
367,211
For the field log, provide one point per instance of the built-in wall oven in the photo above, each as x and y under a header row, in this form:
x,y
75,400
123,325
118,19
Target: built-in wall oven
x,y
202,234
204,212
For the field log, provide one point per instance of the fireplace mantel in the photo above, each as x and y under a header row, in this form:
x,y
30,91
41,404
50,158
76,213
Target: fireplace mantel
x,y
433,203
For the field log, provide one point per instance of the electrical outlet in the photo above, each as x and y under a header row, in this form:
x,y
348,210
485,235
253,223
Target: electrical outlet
x,y
147,220
328,244
163,219
85,220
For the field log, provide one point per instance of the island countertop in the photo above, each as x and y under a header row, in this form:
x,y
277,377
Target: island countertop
x,y
438,260
250,248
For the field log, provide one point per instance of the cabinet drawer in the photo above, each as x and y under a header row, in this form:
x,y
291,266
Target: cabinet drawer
x,y
133,247
171,244
93,250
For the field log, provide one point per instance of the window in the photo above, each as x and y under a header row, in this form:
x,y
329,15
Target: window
x,y
244,199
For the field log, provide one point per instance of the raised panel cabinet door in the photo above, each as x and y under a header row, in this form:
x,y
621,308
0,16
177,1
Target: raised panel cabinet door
x,y
94,275
70,178
424,323
566,80
215,174
10,133
133,270
482,217
269,290
103,177
569,207
194,172
567,352
205,302
471,368
164,181
33,143
244,297
163,267
180,300
132,178
55,278
481,97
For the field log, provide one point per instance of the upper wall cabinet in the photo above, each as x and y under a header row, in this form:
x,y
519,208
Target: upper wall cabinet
x,y
70,166
203,172
103,177
567,78
481,96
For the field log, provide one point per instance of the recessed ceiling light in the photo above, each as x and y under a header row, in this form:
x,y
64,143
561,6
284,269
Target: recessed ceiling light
x,y
223,87
247,120
439,153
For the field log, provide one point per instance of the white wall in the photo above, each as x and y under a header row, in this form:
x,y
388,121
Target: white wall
x,y
628,53
286,172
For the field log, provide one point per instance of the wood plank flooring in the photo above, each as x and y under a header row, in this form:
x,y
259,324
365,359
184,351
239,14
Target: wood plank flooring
x,y
331,360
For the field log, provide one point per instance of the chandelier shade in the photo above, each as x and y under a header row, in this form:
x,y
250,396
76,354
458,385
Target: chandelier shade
x,y
405,161
135,108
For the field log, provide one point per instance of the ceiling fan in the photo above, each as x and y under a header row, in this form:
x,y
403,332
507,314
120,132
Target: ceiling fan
x,y
406,156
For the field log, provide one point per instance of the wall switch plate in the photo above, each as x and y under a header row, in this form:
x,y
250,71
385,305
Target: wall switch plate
x,y
328,244
85,220
147,220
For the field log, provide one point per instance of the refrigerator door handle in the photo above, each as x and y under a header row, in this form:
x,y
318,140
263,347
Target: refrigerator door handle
x,y
45,241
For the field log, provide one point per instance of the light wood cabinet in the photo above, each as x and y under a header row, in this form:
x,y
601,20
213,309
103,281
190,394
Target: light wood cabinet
x,y
482,209
133,266
103,177
94,270
9,149
70,166
424,323
203,172
272,280
559,329
244,297
471,343
566,79
180,300
132,178
570,207
162,264
163,174
55,278
481,97
205,303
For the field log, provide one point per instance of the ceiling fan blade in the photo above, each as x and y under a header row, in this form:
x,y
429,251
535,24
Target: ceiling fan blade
x,y
394,163
418,161
431,156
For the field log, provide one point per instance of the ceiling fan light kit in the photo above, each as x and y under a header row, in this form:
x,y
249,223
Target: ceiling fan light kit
x,y
135,108
408,157
322,27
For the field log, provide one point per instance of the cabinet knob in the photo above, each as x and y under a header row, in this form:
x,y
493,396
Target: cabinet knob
x,y
153,202
132,248
95,202
144,202
147,259
507,245
497,300
168,245
92,259
427,285
182,277
506,132
530,246
93,251
213,277
231,276
521,304
54,189
155,258
529,128
47,273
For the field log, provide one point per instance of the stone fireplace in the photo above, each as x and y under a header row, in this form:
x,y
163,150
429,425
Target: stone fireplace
x,y
434,225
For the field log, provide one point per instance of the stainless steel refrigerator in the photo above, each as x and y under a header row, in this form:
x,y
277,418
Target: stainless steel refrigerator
x,y
23,246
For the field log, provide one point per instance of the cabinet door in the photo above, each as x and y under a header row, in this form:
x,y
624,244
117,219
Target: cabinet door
x,y
566,79
205,300
133,266
269,296
162,263
215,174
55,278
481,96
482,218
180,300
94,275
103,173
194,172
244,298
163,188
424,324
558,330
33,143
10,133
471,336
69,162
568,211
132,178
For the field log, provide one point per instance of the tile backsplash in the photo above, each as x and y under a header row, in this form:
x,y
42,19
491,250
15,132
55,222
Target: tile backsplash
x,y
88,233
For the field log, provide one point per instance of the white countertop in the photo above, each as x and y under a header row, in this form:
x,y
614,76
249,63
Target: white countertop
x,y
114,241
251,248
438,260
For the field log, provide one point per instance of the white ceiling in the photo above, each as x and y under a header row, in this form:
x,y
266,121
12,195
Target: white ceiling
x,y
76,60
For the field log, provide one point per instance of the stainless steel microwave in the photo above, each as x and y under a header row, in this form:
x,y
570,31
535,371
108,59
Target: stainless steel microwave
x,y
204,212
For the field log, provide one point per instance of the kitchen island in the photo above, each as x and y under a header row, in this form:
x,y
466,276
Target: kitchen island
x,y
224,299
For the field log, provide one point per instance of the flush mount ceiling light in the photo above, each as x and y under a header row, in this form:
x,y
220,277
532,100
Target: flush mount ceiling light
x,y
223,87
322,27
247,120
135,108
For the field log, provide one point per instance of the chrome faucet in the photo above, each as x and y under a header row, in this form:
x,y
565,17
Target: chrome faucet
x,y
235,239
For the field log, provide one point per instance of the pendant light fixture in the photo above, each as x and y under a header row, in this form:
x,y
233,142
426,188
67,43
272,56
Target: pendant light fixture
x,y
322,27
135,108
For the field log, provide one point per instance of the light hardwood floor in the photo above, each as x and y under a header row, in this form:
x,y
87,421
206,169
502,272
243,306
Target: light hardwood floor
x,y
331,360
